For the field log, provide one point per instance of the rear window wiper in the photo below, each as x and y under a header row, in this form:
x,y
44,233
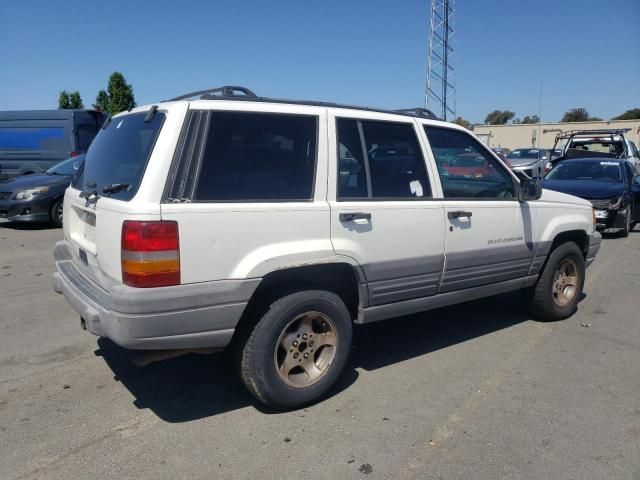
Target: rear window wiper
x,y
116,187
90,192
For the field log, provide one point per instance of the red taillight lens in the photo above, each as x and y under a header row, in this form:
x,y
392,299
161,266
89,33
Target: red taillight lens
x,y
74,154
150,254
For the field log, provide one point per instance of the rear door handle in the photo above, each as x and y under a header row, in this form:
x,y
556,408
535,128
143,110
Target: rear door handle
x,y
350,217
459,214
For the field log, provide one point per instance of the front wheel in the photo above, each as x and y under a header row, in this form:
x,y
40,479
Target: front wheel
x,y
559,287
297,349
56,212
627,222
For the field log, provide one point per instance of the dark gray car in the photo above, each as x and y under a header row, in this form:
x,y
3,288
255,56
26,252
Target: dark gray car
x,y
38,197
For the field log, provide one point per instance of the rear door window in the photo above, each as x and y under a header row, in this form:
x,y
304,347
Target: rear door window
x,y
119,154
380,160
257,157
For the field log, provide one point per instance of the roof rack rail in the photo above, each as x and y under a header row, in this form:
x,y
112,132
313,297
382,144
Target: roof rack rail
x,y
603,131
418,112
228,91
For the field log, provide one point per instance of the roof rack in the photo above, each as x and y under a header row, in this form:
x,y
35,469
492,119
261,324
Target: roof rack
x,y
228,91
418,112
606,131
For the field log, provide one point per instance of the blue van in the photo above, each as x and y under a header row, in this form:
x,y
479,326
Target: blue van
x,y
31,141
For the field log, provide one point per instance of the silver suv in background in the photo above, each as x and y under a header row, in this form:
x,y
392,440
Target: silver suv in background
x,y
530,161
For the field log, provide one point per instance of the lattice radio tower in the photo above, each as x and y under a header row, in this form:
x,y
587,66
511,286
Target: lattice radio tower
x,y
440,94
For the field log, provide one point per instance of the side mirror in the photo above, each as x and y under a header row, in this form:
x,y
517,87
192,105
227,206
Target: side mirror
x,y
530,189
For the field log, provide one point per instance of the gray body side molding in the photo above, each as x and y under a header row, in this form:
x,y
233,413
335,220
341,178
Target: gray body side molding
x,y
407,307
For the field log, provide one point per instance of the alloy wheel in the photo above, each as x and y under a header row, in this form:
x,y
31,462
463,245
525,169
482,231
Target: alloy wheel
x,y
565,282
305,349
59,212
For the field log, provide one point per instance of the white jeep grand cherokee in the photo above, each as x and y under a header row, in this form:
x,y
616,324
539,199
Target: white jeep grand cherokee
x,y
272,226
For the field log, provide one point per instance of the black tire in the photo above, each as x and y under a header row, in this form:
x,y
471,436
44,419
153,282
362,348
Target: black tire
x,y
55,214
627,223
541,298
258,349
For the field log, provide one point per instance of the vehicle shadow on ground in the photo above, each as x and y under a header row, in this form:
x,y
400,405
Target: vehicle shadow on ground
x,y
196,386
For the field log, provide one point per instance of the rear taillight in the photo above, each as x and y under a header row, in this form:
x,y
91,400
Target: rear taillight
x,y
150,254
73,154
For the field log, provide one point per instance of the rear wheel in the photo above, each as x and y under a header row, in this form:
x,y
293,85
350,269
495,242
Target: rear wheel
x,y
556,293
297,349
56,212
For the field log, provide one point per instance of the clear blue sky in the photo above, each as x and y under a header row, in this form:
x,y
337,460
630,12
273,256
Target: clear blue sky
x,y
368,52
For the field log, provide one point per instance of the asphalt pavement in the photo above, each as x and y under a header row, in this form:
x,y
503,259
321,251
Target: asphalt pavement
x,y
474,391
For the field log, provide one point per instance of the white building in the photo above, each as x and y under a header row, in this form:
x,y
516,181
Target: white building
x,y
543,134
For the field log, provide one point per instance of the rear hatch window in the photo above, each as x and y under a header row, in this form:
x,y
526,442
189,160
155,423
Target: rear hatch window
x,y
118,156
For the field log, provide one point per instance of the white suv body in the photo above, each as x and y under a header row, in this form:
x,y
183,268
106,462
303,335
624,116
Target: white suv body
x,y
361,205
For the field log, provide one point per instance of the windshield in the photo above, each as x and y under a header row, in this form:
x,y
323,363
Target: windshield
x,y
68,167
526,153
586,170
600,145
119,154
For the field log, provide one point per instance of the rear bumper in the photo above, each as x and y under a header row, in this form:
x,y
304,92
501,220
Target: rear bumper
x,y
185,316
595,239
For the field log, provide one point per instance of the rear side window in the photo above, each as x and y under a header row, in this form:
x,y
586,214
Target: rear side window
x,y
85,134
257,157
25,138
119,155
380,160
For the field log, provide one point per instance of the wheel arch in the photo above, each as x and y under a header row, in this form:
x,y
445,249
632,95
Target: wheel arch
x,y
341,278
580,237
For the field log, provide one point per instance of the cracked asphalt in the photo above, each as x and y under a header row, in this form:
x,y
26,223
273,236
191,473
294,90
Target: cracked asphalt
x,y
474,391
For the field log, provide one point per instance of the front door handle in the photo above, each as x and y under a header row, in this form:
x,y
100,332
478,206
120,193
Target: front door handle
x,y
459,214
350,217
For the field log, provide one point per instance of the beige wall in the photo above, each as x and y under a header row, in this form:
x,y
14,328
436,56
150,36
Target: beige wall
x,y
519,136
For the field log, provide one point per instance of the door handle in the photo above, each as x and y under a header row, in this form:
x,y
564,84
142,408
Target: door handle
x,y
459,214
350,217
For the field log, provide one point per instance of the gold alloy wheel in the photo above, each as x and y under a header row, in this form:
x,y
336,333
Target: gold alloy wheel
x,y
305,349
565,282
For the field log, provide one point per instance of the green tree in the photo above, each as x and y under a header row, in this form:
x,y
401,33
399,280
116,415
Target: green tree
x,y
499,117
464,123
531,119
578,115
102,101
69,100
118,97
63,100
631,114
75,100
